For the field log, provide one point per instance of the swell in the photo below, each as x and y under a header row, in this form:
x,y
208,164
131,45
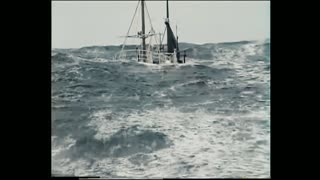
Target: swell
x,y
125,142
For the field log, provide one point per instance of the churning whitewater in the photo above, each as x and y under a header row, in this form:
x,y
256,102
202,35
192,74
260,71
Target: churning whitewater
x,y
209,117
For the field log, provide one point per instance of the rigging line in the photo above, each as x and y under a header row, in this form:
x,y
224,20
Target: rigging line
x,y
138,26
123,45
150,20
148,16
164,32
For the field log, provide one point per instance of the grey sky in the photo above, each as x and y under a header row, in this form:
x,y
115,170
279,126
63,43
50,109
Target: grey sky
x,y
83,23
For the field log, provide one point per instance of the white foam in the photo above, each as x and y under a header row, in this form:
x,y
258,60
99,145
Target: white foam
x,y
209,137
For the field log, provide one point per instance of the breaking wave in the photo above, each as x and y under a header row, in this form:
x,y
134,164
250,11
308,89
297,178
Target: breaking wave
x,y
209,117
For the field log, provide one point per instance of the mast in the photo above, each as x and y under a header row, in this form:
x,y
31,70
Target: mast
x,y
167,10
171,40
167,23
143,30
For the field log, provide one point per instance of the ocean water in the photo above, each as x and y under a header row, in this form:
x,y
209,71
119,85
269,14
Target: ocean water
x,y
209,117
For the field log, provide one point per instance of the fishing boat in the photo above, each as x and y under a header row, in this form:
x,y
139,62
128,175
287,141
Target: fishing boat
x,y
155,51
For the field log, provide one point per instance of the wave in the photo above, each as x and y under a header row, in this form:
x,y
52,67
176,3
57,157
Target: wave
x,y
145,118
126,141
194,51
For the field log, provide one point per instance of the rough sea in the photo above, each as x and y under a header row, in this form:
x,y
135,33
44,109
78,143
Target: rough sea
x,y
208,118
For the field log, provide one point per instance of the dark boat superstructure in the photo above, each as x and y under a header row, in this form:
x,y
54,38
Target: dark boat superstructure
x,y
156,54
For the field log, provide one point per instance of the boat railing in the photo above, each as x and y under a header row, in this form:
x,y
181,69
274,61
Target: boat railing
x,y
149,55
158,56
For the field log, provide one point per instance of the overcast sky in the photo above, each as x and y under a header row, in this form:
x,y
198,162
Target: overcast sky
x,y
83,23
